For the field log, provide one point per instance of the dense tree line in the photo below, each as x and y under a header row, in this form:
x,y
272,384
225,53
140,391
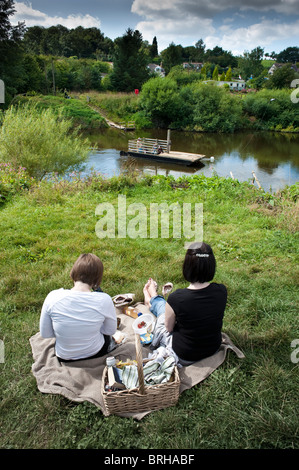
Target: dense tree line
x,y
61,41
47,60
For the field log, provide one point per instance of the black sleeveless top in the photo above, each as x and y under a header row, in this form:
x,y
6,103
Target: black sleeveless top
x,y
199,315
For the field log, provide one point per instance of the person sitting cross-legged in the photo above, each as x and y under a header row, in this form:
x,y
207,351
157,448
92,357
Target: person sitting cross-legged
x,y
190,321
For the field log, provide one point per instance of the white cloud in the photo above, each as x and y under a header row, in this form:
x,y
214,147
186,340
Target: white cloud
x,y
32,17
259,34
186,21
176,31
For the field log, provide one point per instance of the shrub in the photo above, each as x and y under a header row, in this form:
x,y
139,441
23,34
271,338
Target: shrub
x,y
273,109
216,110
12,181
161,100
40,141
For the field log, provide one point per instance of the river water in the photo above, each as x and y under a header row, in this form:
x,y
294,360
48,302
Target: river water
x,y
273,157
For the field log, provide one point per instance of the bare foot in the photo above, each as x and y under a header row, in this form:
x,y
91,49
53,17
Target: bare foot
x,y
152,288
149,291
146,294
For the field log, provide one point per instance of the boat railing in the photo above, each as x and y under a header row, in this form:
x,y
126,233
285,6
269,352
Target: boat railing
x,y
145,145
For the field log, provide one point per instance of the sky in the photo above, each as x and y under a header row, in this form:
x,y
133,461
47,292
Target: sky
x,y
234,25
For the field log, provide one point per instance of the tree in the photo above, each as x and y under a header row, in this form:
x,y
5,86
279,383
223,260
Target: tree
x,y
154,48
215,109
215,73
251,63
288,55
200,48
9,33
130,62
10,50
228,75
221,57
282,77
34,40
161,101
171,56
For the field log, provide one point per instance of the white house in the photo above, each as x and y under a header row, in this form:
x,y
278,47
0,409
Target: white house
x,y
235,85
157,69
276,66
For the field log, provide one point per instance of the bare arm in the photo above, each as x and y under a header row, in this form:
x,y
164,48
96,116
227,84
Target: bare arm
x,y
170,318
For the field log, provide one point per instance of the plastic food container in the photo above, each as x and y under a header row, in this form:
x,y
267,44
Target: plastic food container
x,y
143,324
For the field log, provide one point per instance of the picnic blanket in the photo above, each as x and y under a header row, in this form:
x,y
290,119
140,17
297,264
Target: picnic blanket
x,y
81,380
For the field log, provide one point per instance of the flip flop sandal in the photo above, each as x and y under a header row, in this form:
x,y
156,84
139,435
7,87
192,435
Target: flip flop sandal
x,y
167,288
123,299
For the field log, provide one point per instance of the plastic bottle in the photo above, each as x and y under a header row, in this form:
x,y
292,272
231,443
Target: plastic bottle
x,y
110,362
131,312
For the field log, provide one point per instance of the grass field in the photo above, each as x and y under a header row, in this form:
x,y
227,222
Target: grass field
x,y
245,404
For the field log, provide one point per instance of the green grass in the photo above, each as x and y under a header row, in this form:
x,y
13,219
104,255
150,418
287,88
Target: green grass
x,y
244,404
75,109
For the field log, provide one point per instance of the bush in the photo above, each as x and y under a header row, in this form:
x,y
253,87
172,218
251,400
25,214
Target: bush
x,y
40,141
12,181
160,99
216,110
195,106
273,109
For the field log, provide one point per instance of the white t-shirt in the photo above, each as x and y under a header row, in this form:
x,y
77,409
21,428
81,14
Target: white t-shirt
x,y
78,321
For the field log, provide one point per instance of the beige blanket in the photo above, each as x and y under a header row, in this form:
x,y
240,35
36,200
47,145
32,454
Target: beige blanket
x,y
81,380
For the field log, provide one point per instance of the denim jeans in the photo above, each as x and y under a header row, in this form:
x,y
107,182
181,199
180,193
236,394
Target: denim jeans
x,y
158,308
157,305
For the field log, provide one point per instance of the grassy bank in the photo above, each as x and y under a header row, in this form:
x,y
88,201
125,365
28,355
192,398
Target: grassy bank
x,y
198,107
164,103
244,404
74,109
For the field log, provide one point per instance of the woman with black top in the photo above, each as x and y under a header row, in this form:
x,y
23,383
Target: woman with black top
x,y
192,316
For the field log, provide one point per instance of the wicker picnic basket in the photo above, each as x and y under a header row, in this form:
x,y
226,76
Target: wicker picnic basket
x,y
145,397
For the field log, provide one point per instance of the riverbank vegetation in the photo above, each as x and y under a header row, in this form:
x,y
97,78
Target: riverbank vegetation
x,y
56,61
41,141
162,103
249,403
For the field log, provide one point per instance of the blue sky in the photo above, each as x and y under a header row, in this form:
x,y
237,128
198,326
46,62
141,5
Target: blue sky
x,y
234,25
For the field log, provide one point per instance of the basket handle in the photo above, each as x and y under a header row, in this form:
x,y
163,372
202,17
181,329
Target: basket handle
x,y
139,359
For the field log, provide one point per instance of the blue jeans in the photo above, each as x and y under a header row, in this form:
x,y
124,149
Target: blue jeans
x,y
157,308
157,305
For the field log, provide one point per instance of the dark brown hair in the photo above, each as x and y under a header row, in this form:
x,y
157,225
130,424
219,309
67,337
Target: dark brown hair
x,y
88,268
199,263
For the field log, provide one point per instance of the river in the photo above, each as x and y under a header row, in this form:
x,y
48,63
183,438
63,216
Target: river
x,y
274,157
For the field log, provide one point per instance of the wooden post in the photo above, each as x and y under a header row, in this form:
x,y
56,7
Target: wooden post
x,y
168,141
255,178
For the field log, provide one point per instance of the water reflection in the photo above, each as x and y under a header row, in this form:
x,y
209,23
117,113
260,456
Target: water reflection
x,y
273,157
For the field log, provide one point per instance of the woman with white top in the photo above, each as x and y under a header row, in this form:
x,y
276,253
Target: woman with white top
x,y
81,319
